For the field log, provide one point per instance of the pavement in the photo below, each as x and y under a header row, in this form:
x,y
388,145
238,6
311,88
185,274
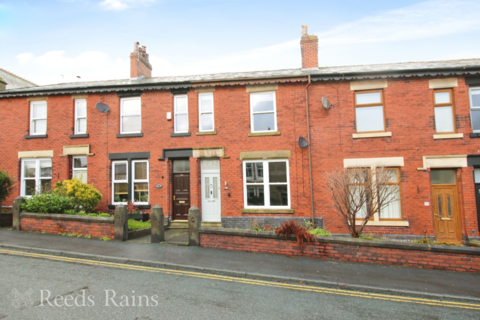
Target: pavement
x,y
365,277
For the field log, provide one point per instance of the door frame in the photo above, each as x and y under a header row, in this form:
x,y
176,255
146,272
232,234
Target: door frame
x,y
457,217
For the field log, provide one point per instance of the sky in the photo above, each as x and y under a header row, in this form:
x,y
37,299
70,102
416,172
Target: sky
x,y
58,41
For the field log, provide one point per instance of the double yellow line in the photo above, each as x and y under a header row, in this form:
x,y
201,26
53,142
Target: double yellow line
x,y
431,302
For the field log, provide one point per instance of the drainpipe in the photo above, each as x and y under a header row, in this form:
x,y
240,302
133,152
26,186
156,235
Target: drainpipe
x,y
309,152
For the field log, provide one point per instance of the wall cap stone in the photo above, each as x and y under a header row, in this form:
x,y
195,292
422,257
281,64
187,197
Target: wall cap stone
x,y
66,217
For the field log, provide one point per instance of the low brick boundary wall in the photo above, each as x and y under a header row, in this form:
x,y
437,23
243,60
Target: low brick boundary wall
x,y
466,259
97,227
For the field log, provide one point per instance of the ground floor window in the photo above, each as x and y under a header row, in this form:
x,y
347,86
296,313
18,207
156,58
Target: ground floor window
x,y
266,184
36,176
137,179
79,168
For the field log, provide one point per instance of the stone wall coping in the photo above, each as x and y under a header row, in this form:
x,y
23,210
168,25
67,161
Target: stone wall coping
x,y
66,217
347,241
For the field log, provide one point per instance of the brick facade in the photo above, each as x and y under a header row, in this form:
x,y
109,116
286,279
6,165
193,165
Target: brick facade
x,y
368,254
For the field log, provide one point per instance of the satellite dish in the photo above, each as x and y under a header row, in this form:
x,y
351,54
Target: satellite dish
x,y
302,142
102,107
326,103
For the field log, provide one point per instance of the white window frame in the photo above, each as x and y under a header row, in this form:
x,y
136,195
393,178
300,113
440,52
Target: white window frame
x,y
32,120
79,169
37,175
122,115
114,163
77,118
263,112
140,181
200,111
471,105
176,113
266,184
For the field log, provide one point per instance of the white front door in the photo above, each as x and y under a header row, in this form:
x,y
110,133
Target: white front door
x,y
211,211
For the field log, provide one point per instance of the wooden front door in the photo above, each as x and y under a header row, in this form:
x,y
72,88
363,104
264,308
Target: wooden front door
x,y
446,213
181,196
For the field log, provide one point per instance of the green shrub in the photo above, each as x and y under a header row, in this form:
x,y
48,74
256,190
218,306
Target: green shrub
x,y
47,203
104,215
84,196
7,185
320,232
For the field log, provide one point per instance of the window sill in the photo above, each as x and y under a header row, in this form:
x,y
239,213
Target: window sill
x,y
35,136
391,223
78,136
448,136
183,134
205,133
129,135
271,211
260,134
475,135
371,135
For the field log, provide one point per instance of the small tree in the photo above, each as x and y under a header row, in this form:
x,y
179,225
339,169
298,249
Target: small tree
x,y
360,193
7,185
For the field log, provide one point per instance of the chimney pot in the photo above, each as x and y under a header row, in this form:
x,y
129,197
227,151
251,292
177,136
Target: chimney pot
x,y
309,49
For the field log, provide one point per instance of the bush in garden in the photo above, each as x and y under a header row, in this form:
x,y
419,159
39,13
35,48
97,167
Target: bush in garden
x,y
84,196
7,184
47,203
288,228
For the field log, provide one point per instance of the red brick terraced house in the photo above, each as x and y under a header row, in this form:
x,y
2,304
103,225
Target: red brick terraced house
x,y
228,143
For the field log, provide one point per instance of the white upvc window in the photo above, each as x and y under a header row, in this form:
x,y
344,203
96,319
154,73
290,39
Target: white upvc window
x,y
475,108
79,168
205,106
120,182
263,111
36,176
131,115
266,184
38,117
140,181
80,116
181,113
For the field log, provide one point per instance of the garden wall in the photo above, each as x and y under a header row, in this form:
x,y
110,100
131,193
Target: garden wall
x,y
348,249
97,227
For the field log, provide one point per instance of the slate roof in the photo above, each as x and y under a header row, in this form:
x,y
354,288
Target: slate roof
x,y
401,69
13,81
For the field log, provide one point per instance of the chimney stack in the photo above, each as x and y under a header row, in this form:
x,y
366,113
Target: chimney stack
x,y
309,46
140,67
3,85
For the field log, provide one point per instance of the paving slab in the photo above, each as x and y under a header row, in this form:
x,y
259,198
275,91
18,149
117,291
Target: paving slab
x,y
366,275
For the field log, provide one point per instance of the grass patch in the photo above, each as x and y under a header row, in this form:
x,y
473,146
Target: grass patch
x,y
136,225
320,232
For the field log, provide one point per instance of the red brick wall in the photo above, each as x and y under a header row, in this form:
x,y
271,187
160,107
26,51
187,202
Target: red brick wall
x,y
96,230
408,111
424,259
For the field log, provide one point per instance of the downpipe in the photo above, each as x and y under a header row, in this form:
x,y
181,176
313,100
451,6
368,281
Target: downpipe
x,y
309,151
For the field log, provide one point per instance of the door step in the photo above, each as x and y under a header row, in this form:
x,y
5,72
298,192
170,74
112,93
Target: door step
x,y
211,224
178,224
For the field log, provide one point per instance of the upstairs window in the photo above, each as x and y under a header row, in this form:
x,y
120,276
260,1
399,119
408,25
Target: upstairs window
x,y
444,111
79,168
475,108
36,176
369,113
131,115
38,117
205,105
263,111
80,116
181,114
